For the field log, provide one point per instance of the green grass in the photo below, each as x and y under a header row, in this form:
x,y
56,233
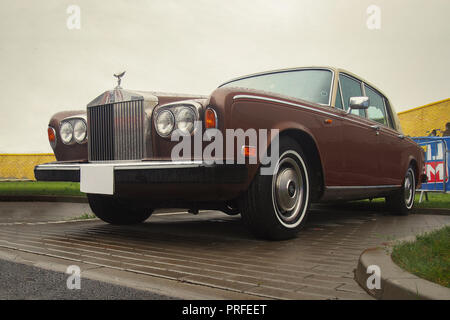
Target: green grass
x,y
428,257
35,188
436,200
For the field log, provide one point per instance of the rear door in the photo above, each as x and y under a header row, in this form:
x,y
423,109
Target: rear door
x,y
390,141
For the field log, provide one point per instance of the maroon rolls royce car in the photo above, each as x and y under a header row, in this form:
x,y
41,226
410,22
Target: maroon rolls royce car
x,y
265,145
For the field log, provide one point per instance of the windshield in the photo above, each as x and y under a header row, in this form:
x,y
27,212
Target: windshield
x,y
311,84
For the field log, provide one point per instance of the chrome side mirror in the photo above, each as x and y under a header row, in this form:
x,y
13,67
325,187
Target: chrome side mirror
x,y
358,103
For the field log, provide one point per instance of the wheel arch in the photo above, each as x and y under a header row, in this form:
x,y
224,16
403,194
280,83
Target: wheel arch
x,y
311,152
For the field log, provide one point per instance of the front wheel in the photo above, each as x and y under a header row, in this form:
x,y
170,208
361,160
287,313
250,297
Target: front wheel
x,y
275,206
401,202
118,211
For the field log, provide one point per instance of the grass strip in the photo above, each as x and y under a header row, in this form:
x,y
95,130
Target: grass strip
x,y
37,188
428,257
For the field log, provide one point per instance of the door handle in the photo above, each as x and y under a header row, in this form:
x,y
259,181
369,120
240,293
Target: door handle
x,y
376,128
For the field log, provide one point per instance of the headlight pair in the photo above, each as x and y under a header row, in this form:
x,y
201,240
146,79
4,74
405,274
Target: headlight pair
x,y
180,117
73,129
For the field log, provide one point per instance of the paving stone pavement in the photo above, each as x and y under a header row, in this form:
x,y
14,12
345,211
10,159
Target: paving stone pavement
x,y
215,250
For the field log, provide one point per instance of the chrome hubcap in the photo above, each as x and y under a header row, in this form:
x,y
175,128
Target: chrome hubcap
x,y
289,191
409,188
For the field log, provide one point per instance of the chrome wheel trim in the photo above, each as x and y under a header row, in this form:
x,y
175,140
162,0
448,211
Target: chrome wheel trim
x,y
409,189
290,189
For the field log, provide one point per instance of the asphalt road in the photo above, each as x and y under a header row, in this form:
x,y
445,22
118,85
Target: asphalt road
x,y
20,281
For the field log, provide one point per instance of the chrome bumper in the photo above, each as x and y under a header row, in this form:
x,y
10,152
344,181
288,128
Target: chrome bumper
x,y
141,165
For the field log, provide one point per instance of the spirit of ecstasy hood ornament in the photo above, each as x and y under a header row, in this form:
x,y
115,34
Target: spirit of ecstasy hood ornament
x,y
119,80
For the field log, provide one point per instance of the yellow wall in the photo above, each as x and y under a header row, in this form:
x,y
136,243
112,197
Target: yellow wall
x,y
421,121
21,166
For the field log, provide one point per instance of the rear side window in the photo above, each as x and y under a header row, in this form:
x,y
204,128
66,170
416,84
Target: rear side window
x,y
376,110
351,88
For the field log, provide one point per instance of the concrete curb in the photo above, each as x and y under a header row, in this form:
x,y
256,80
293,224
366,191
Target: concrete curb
x,y
44,198
396,283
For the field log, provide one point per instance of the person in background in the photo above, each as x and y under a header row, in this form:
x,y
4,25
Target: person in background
x,y
447,130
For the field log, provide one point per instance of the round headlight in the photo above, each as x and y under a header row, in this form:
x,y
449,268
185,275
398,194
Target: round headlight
x,y
66,132
165,122
79,131
185,119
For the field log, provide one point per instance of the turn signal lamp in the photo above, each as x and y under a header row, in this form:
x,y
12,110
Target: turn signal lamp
x,y
249,151
51,136
210,118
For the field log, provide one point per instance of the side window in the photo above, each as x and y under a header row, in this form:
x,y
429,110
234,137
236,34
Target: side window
x,y
376,110
338,103
390,115
351,88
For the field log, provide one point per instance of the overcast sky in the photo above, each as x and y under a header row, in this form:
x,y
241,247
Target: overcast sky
x,y
192,46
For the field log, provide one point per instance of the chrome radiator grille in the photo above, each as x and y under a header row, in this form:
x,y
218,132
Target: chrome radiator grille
x,y
116,131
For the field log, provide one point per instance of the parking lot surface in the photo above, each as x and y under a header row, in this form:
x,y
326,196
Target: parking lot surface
x,y
216,251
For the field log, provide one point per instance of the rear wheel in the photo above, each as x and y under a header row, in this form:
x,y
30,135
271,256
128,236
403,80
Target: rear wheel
x,y
401,202
115,210
275,206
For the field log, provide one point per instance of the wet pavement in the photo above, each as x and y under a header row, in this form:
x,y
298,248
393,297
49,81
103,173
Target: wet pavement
x,y
214,250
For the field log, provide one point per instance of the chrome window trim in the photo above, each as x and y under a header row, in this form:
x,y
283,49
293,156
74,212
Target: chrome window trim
x,y
331,87
333,73
339,87
363,90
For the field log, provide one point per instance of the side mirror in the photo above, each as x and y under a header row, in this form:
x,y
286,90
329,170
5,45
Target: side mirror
x,y
358,103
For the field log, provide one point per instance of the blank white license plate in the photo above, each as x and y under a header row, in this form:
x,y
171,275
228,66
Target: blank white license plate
x,y
97,179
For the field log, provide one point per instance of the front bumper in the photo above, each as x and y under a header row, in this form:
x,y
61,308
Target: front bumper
x,y
147,172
